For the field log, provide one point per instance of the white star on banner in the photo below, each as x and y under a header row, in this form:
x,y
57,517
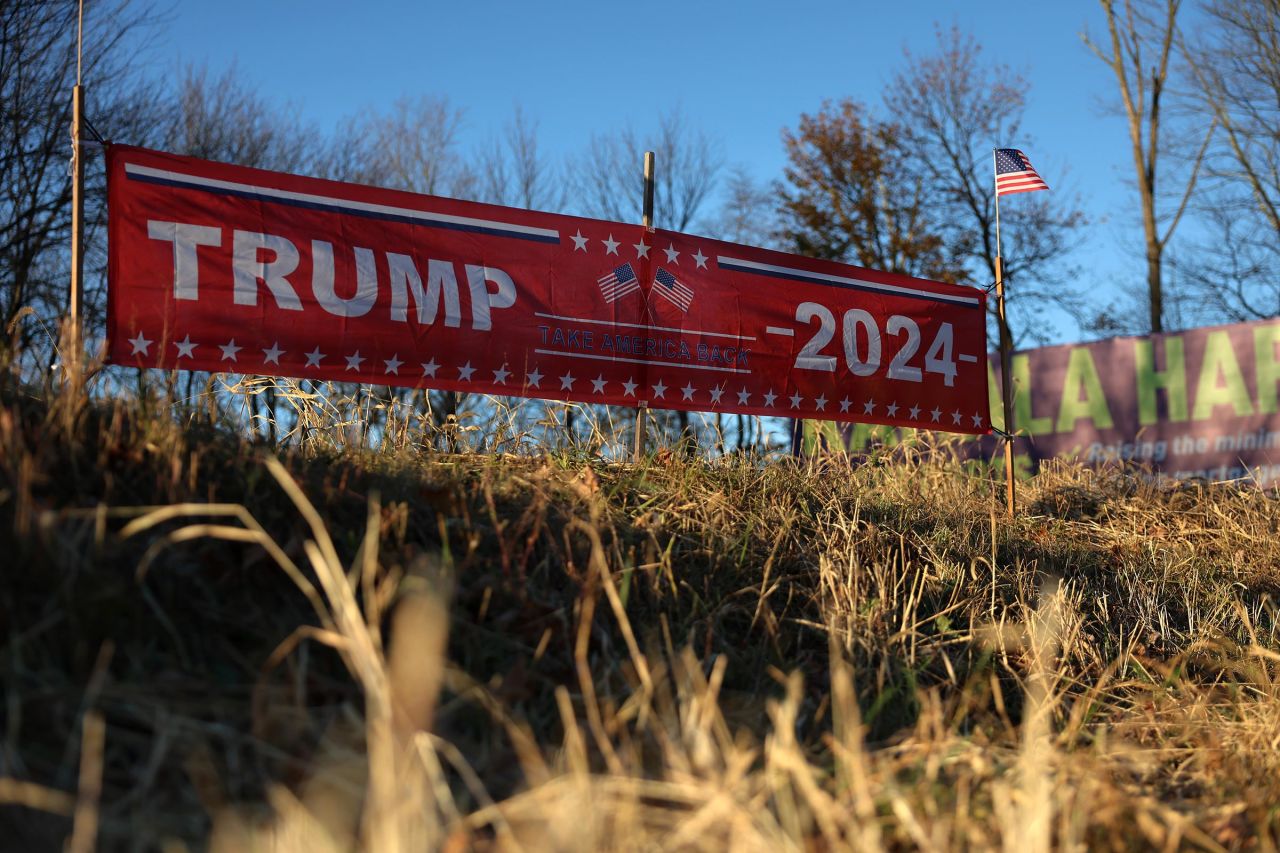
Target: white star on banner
x,y
354,360
914,411
977,419
743,396
186,349
140,344
892,411
955,416
393,364
579,242
629,388
597,384
566,382
642,250
659,389
687,391
229,350
716,394
845,404
500,375
821,403
868,407
429,368
700,259
313,358
796,400
464,372
671,253
534,379
936,413
610,246
769,398
272,356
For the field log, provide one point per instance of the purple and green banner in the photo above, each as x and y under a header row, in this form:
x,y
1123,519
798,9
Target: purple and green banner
x,y
1200,403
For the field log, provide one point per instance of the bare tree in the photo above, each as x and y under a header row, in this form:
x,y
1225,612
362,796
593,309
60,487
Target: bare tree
x,y
1233,275
608,181
414,146
748,212
955,108
223,118
1235,66
1141,37
512,170
37,70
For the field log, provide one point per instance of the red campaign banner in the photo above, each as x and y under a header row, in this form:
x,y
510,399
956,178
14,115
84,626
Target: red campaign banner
x,y
229,269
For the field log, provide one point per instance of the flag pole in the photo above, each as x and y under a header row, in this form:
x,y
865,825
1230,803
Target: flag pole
x,y
646,219
75,301
1006,376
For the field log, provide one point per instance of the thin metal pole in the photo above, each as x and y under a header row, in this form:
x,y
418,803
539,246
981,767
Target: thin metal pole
x,y
1006,374
79,41
1006,390
995,178
646,219
75,306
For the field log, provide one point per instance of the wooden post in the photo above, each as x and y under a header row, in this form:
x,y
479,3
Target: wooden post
x,y
646,219
75,306
642,415
1006,388
73,356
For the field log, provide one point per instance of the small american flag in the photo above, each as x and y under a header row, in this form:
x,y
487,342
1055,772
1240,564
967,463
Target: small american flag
x,y
1014,173
671,289
618,283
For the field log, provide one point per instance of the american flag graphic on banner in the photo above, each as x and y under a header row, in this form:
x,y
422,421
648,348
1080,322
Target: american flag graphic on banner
x,y
671,289
618,283
1014,173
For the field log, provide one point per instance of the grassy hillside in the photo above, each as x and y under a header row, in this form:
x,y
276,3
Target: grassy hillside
x,y
211,643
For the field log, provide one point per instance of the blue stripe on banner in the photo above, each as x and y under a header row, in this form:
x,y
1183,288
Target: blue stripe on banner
x,y
336,206
845,283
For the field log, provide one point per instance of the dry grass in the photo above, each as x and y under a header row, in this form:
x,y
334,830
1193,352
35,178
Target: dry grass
x,y
203,645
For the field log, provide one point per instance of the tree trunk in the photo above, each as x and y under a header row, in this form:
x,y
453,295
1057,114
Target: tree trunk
x,y
1155,288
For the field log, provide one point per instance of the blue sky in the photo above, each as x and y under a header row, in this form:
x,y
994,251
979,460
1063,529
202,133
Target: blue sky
x,y
741,71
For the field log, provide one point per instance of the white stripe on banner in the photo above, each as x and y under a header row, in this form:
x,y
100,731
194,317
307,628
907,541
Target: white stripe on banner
x,y
684,366
344,204
597,322
840,281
